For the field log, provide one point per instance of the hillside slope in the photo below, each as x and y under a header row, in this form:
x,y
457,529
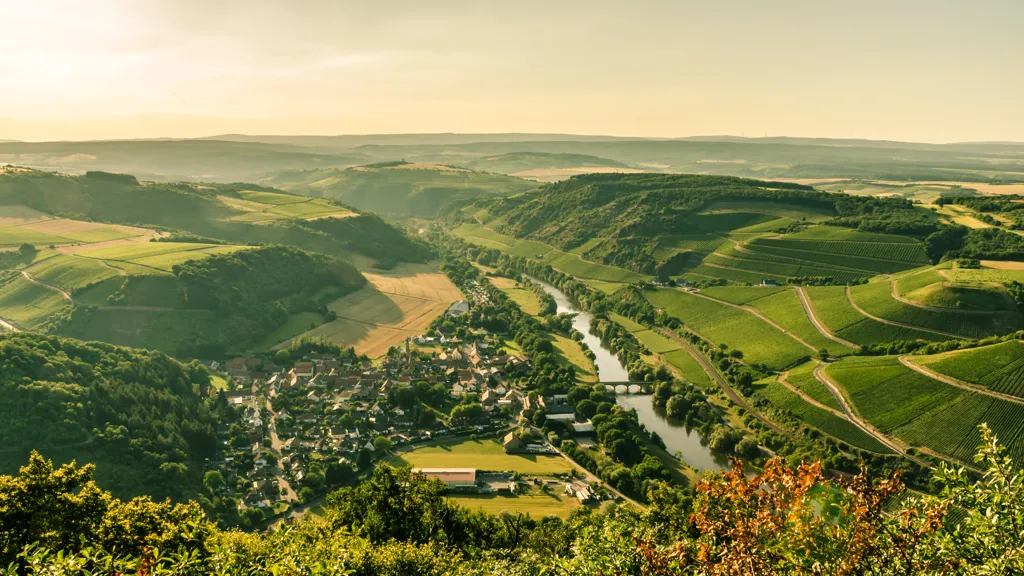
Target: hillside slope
x,y
138,415
398,188
657,223
236,213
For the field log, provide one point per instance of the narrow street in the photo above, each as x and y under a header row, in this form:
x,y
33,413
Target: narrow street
x,y
275,446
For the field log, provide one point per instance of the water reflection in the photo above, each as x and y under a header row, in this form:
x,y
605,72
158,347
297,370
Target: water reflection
x,y
678,440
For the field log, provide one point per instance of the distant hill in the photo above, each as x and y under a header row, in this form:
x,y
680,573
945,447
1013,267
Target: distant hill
x,y
400,189
236,213
756,158
544,166
666,224
170,160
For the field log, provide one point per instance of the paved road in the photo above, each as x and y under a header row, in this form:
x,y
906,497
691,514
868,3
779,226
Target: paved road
x,y
849,296
809,310
959,383
275,447
720,380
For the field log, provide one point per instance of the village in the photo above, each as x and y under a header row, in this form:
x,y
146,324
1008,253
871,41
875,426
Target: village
x,y
320,421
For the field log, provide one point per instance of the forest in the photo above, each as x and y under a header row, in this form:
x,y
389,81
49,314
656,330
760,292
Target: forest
x,y
139,415
400,523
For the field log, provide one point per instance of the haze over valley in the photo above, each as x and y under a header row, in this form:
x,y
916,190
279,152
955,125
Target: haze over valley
x,y
339,288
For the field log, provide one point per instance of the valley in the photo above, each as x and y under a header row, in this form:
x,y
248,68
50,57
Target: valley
x,y
539,349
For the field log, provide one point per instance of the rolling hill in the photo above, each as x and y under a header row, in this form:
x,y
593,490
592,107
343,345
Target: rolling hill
x,y
399,189
233,213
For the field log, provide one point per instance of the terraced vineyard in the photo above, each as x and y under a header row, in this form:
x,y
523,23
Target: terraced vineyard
x,y
722,324
833,308
922,411
802,378
781,305
840,428
565,261
876,299
999,367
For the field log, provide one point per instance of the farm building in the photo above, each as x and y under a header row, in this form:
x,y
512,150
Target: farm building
x,y
452,477
458,308
511,442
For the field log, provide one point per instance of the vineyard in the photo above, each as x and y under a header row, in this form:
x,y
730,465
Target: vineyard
x,y
876,299
797,250
925,412
833,308
787,401
722,324
899,252
803,379
999,368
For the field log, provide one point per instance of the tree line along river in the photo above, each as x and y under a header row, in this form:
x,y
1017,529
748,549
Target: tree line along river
x,y
679,440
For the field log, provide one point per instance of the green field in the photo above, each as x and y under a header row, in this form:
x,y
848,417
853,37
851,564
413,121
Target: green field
x,y
840,428
690,368
570,352
742,294
876,298
99,234
143,250
925,412
28,305
626,322
785,309
999,367
70,273
15,236
537,505
802,378
979,275
834,310
776,209
656,342
722,324
274,198
564,261
482,455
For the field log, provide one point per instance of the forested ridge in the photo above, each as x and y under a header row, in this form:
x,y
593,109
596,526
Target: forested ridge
x,y
138,414
251,292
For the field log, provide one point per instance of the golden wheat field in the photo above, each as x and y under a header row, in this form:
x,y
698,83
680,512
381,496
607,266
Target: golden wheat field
x,y
391,308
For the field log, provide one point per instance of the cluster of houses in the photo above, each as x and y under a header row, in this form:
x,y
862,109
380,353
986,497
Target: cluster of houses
x,y
327,408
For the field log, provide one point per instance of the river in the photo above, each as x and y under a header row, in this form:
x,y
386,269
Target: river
x,y
679,441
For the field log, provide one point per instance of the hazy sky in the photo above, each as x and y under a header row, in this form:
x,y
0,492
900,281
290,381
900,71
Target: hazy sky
x,y
926,70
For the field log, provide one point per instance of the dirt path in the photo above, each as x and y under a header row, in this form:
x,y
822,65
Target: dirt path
x,y
8,326
833,387
759,314
717,377
958,383
809,310
896,296
783,380
45,285
849,296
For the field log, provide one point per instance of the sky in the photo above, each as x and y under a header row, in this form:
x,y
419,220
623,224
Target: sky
x,y
916,70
